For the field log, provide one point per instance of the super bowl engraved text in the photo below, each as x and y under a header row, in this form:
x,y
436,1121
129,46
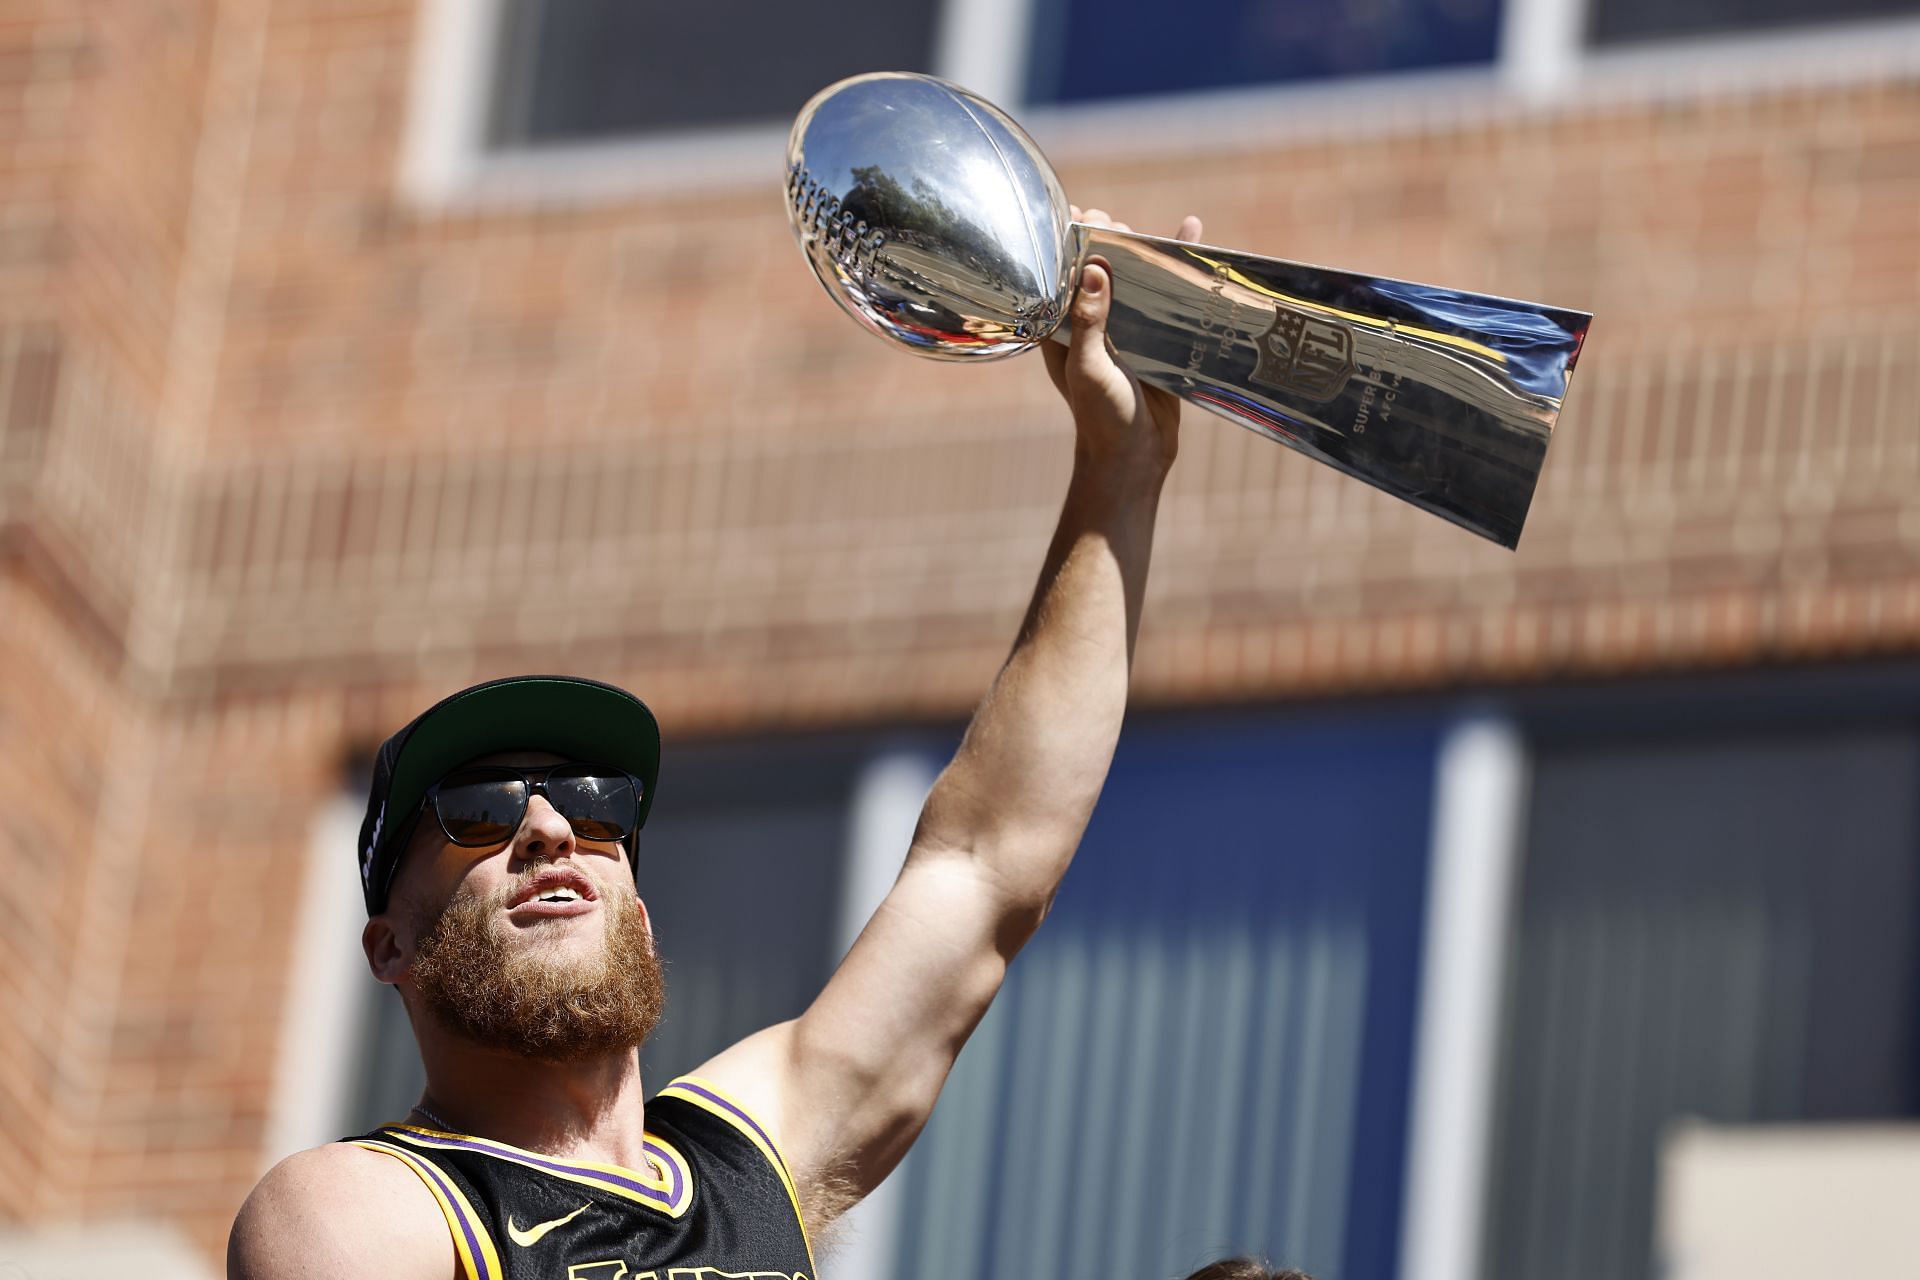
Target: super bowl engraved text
x,y
1377,399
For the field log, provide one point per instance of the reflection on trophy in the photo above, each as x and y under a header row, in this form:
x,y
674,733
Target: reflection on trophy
x,y
933,219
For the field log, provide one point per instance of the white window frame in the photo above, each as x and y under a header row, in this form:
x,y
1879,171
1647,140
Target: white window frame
x,y
1544,55
886,808
1482,787
1542,63
328,987
445,160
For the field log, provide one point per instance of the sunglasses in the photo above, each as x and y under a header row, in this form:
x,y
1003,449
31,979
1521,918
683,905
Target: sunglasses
x,y
485,804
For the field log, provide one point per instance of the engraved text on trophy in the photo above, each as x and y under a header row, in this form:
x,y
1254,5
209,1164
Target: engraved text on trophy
x,y
1304,354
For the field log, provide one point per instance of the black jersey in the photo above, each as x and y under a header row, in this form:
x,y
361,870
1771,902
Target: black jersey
x,y
716,1202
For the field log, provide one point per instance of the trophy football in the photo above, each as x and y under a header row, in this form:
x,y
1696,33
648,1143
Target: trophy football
x,y
934,220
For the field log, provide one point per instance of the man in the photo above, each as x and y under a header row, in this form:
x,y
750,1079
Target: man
x,y
497,865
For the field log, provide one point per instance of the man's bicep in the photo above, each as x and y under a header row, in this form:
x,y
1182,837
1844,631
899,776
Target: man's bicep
x,y
341,1212
851,1081
920,975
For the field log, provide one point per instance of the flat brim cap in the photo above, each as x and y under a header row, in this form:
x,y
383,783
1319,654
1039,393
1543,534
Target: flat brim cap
x,y
569,716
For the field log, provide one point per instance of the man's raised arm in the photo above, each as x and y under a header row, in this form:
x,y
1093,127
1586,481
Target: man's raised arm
x,y
850,1083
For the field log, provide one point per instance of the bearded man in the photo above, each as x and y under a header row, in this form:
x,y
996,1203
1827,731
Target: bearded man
x,y
499,866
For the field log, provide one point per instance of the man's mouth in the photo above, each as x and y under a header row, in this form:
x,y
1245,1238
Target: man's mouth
x,y
556,891
553,907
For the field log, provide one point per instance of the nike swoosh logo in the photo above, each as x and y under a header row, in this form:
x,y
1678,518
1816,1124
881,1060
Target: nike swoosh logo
x,y
532,1234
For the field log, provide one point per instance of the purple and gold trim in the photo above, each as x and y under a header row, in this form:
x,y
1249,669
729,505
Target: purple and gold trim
x,y
669,1192
709,1097
479,1260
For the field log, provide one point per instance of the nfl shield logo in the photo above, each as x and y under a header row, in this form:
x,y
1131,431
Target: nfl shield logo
x,y
1308,355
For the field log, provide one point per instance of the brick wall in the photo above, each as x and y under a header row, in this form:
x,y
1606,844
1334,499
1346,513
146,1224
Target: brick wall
x,y
97,130
283,457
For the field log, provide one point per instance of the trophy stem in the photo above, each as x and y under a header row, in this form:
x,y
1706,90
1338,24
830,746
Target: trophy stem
x,y
1442,398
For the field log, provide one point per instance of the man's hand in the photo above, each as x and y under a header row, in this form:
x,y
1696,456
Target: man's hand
x,y
1114,416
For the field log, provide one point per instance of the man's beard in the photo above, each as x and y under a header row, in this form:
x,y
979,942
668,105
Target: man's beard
x,y
522,999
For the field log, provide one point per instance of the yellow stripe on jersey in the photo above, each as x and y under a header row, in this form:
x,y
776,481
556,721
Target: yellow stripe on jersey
x,y
479,1260
669,1191
710,1097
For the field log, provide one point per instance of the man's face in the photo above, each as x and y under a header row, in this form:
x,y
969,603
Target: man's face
x,y
481,953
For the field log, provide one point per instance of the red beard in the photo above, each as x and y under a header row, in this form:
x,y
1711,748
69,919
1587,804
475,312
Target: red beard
x,y
522,999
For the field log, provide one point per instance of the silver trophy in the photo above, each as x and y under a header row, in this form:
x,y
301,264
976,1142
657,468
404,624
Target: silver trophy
x,y
933,219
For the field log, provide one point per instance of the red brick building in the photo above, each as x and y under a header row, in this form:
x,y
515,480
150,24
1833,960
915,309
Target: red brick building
x,y
304,422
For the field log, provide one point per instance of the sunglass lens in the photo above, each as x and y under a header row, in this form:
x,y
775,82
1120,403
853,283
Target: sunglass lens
x,y
598,803
481,808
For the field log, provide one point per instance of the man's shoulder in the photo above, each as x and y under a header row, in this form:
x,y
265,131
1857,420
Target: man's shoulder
x,y
332,1172
340,1210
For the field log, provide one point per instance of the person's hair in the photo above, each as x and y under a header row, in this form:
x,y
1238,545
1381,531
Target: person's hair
x,y
1245,1269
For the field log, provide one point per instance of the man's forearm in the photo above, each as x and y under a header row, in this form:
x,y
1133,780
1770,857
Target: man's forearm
x,y
1023,784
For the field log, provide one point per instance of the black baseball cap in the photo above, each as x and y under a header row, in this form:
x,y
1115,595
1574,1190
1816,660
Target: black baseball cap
x,y
569,716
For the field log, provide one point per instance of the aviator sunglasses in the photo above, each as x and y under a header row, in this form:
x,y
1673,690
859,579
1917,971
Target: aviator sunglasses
x,y
485,804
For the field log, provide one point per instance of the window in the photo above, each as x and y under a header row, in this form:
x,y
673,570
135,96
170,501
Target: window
x,y
1620,21
1084,50
1721,927
587,69
1209,1043
535,99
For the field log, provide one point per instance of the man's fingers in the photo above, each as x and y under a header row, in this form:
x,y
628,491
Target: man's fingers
x,y
1088,352
1190,226
1091,302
